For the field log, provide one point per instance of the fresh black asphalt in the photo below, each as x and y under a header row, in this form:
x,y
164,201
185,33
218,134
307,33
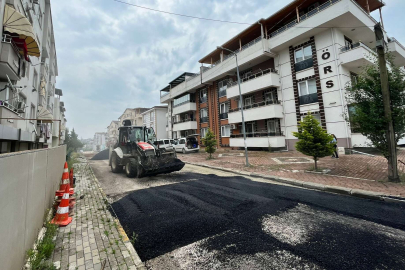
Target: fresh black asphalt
x,y
238,217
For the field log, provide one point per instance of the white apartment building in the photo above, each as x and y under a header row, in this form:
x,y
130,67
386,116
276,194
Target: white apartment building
x,y
112,133
135,115
156,118
28,58
99,141
299,60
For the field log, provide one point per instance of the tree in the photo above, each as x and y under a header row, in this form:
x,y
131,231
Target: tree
x,y
210,143
72,141
366,111
313,140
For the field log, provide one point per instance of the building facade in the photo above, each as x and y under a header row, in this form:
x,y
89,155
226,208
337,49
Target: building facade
x,y
156,118
99,141
299,60
135,115
112,133
28,70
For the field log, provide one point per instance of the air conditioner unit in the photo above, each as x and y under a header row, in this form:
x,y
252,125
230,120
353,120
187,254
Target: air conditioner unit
x,y
233,126
21,107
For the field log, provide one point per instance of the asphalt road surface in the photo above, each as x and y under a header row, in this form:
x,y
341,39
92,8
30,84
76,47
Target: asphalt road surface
x,y
206,219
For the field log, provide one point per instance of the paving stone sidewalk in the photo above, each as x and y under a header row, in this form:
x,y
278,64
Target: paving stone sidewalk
x,y
94,239
349,171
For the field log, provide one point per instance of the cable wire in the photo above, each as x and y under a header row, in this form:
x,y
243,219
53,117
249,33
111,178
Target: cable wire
x,y
182,15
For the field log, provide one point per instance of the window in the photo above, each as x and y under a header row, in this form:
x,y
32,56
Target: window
x,y
204,132
348,43
270,97
273,126
166,141
250,128
316,115
307,87
354,128
39,16
248,101
303,53
203,113
353,78
182,141
203,96
22,105
35,80
226,131
32,113
222,85
224,107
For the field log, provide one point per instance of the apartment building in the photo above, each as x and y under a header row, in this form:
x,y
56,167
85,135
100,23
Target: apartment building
x,y
28,70
299,60
156,118
59,127
99,141
135,115
112,133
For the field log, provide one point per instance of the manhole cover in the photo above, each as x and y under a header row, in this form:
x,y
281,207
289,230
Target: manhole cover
x,y
289,160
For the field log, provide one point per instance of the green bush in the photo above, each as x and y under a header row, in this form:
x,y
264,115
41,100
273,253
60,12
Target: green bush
x,y
210,143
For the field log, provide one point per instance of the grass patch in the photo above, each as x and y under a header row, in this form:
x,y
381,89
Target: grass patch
x,y
72,159
37,258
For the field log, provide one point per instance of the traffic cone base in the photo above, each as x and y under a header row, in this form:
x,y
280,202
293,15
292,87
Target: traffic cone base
x,y
62,214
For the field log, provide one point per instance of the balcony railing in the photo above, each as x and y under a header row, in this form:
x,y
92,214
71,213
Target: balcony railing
x,y
222,93
391,39
226,57
203,99
223,116
184,120
204,119
185,102
254,76
258,134
163,93
256,105
307,99
303,17
304,64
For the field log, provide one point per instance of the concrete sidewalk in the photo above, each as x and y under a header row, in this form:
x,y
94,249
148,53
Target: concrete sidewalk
x,y
354,172
94,239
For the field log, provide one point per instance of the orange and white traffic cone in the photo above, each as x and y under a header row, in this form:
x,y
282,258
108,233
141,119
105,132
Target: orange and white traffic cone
x,y
62,214
65,181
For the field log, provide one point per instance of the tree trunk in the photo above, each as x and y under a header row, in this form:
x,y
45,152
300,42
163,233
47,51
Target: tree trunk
x,y
316,164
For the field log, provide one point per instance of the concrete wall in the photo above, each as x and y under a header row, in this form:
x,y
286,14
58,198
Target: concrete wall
x,y
28,182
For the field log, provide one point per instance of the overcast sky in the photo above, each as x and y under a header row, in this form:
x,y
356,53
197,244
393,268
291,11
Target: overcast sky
x,y
112,56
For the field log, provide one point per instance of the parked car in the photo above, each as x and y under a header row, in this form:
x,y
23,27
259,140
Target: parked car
x,y
187,144
165,144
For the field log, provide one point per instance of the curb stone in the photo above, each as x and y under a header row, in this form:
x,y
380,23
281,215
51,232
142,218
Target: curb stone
x,y
332,189
135,257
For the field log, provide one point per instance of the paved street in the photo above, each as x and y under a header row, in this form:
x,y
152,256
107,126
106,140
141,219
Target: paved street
x,y
206,219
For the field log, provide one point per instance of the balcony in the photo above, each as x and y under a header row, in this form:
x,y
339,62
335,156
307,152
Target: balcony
x,y
203,99
398,51
261,80
185,107
333,13
257,111
259,139
308,99
9,59
356,56
185,124
223,116
249,52
308,63
303,18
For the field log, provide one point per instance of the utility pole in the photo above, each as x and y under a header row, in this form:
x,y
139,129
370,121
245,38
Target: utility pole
x,y
389,132
241,105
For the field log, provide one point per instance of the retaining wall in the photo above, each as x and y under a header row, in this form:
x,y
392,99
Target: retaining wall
x,y
28,181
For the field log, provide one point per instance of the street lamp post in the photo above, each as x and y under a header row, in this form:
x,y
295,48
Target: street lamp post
x,y
241,104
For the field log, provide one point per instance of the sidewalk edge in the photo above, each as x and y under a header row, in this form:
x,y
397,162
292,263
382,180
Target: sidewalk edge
x,y
135,257
364,194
